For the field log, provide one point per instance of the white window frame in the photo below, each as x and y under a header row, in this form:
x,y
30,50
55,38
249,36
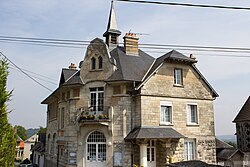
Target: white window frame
x,y
189,114
98,104
162,114
189,150
178,76
99,147
151,151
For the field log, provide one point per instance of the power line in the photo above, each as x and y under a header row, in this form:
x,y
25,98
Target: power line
x,y
25,72
34,73
86,43
35,76
45,39
50,45
188,5
152,46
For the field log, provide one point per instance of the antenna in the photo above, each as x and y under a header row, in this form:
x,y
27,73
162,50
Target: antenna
x,y
137,33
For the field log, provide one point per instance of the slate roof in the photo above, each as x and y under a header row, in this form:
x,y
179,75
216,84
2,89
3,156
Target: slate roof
x,y
172,55
244,114
228,153
74,79
38,147
175,56
66,74
68,77
222,144
130,68
194,163
153,133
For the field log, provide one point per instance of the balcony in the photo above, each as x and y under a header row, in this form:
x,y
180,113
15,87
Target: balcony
x,y
93,115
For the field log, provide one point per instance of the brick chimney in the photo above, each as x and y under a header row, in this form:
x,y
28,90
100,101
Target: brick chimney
x,y
72,66
131,44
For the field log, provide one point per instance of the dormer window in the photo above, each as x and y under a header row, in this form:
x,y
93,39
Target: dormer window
x,y
93,61
100,61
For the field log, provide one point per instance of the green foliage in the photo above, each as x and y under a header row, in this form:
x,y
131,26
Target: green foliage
x,y
21,132
42,130
7,136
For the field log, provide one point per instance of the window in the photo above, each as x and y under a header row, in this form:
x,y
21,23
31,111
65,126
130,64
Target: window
x,y
189,150
192,114
113,39
178,76
49,144
166,113
76,92
62,118
63,96
93,63
96,147
68,95
100,61
96,100
151,151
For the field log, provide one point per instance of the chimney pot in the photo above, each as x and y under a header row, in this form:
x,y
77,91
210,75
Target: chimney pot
x,y
131,44
72,66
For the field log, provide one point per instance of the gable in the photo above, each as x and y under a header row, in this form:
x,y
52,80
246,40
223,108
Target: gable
x,y
162,82
244,113
92,70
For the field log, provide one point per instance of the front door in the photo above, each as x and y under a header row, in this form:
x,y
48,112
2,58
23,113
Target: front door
x,y
151,151
96,150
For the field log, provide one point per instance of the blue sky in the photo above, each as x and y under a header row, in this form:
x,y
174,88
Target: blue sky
x,y
86,20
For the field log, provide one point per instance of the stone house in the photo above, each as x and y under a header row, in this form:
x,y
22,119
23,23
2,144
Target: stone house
x,y
19,148
227,155
242,121
124,107
38,150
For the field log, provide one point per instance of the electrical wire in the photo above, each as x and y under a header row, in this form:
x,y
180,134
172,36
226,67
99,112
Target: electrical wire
x,y
25,72
78,44
35,76
188,5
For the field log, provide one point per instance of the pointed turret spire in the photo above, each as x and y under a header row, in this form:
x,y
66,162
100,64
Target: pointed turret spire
x,y
112,33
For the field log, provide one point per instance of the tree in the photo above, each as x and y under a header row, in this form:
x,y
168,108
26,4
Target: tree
x,y
7,136
42,130
21,132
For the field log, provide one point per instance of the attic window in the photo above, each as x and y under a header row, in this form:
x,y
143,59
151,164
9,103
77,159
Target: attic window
x,y
93,63
100,61
178,78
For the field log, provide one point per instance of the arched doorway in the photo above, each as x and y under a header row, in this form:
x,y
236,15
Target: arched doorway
x,y
96,149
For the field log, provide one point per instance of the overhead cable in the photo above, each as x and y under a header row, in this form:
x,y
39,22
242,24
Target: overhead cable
x,y
25,72
188,5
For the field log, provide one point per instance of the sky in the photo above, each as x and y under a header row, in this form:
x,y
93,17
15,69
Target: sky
x,y
161,24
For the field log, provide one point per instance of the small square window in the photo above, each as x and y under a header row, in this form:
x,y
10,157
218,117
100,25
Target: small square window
x,y
178,79
192,114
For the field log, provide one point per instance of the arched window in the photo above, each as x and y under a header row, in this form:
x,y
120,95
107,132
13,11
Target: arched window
x,y
49,144
93,63
100,61
96,147
53,144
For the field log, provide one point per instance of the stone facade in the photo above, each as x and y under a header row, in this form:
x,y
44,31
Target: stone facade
x,y
97,107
